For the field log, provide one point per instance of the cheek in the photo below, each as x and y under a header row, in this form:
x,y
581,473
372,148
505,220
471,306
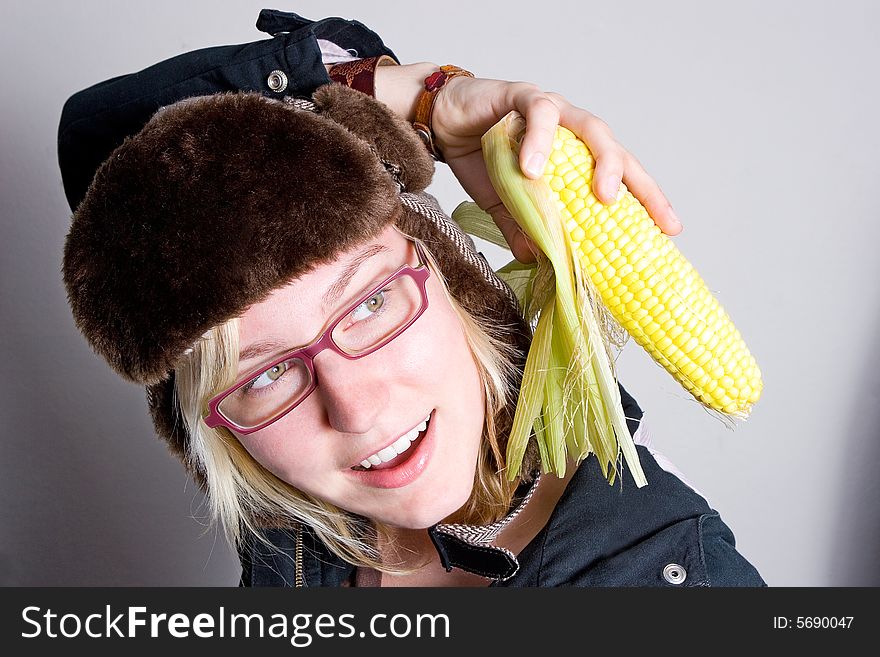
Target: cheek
x,y
435,350
453,371
283,452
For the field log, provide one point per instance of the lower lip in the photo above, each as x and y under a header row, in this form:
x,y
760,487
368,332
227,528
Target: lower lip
x,y
404,473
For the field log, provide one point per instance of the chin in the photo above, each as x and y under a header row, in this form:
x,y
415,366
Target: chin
x,y
439,507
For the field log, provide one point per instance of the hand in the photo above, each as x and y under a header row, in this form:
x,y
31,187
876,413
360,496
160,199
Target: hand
x,y
467,107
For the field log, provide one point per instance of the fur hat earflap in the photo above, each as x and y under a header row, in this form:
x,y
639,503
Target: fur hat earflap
x,y
393,139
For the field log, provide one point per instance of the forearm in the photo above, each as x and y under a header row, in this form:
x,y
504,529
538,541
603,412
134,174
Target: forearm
x,y
399,87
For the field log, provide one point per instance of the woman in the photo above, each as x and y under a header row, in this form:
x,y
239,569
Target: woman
x,y
338,367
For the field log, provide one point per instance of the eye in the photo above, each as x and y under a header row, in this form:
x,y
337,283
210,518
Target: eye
x,y
369,307
269,377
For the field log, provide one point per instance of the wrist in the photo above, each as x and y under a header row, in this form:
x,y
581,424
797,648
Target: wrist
x,y
423,123
400,87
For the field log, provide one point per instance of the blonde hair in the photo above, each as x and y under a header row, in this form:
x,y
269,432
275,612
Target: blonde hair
x,y
240,492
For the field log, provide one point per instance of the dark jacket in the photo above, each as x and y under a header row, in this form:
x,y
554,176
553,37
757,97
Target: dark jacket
x,y
663,534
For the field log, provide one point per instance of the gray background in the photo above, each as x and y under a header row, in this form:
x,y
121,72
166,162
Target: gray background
x,y
757,118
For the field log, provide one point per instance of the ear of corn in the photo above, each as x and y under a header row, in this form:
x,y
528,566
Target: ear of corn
x,y
579,411
606,259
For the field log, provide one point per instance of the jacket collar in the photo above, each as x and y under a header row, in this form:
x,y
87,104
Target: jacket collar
x,y
468,547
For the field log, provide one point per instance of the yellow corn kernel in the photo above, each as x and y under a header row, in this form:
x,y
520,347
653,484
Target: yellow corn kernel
x,y
656,294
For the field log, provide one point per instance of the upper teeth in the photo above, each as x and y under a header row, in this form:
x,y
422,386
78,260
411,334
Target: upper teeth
x,y
399,446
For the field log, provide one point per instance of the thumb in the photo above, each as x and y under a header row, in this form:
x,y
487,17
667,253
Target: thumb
x,y
521,246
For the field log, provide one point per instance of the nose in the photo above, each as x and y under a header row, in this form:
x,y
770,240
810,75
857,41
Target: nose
x,y
353,392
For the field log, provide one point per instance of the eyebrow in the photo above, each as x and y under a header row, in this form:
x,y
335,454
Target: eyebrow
x,y
263,347
344,279
259,348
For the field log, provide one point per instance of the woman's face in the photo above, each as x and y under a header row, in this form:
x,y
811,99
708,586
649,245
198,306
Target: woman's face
x,y
361,407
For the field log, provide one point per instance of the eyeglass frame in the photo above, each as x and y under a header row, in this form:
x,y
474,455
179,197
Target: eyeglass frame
x,y
322,342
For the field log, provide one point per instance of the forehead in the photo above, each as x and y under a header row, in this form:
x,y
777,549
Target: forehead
x,y
297,307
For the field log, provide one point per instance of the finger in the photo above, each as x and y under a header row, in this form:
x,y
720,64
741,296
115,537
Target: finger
x,y
607,153
615,165
608,173
645,188
470,170
542,117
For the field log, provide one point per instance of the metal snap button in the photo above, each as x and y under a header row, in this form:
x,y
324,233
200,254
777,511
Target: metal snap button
x,y
674,574
277,81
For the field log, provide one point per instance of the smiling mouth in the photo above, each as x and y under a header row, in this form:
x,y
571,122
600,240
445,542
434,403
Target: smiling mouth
x,y
397,452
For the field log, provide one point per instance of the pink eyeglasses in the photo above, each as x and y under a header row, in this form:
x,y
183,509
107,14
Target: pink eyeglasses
x,y
269,392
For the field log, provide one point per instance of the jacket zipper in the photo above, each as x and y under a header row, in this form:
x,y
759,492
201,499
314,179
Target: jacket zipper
x,y
297,567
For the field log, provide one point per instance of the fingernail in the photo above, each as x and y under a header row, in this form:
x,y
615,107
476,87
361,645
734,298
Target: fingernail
x,y
613,189
673,216
535,165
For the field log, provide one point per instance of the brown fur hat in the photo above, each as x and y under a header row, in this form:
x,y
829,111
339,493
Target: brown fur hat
x,y
221,199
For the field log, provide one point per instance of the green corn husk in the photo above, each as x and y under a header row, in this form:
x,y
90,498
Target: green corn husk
x,y
569,397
